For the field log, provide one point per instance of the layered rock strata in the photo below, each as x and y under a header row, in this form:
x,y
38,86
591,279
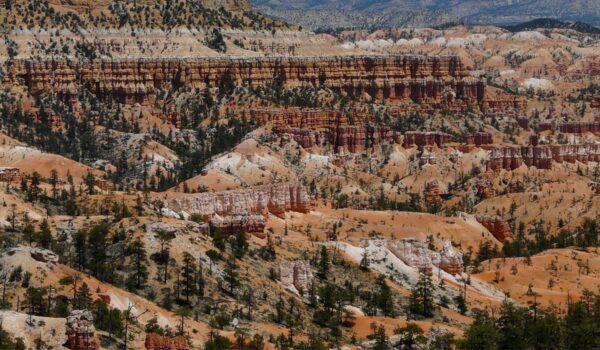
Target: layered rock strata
x,y
304,118
541,157
420,79
353,139
497,227
80,331
431,192
297,274
416,254
276,199
421,139
232,224
480,138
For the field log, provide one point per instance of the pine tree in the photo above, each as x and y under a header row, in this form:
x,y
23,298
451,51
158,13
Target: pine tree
x,y
239,246
481,335
421,298
45,237
231,274
323,263
139,262
188,275
54,182
80,243
90,183
364,261
83,298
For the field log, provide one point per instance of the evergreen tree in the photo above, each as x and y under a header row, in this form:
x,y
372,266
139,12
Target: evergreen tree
x,y
83,298
421,298
239,245
481,335
45,237
231,274
323,270
188,275
139,263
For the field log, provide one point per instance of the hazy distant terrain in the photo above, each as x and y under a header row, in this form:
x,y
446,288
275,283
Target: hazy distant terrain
x,y
335,13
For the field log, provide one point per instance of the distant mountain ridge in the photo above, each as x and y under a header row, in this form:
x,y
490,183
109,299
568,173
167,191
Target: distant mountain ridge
x,y
550,23
364,13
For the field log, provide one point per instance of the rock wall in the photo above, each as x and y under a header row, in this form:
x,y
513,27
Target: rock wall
x,y
232,224
297,274
421,79
575,153
480,138
573,127
416,254
276,199
421,139
356,139
302,118
507,158
160,342
497,227
503,104
353,139
541,157
80,331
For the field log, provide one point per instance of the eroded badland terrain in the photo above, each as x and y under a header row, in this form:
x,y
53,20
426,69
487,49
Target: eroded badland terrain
x,y
191,174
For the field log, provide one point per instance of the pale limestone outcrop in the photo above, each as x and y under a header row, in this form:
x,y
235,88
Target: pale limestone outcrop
x,y
276,199
297,274
80,331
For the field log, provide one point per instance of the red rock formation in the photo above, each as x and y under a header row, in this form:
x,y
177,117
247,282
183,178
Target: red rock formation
x,y
232,224
595,187
573,127
480,138
275,199
304,137
497,227
503,103
420,139
80,331
284,118
507,158
353,139
357,139
485,188
431,192
575,153
10,174
451,259
537,156
420,79
161,342
541,157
